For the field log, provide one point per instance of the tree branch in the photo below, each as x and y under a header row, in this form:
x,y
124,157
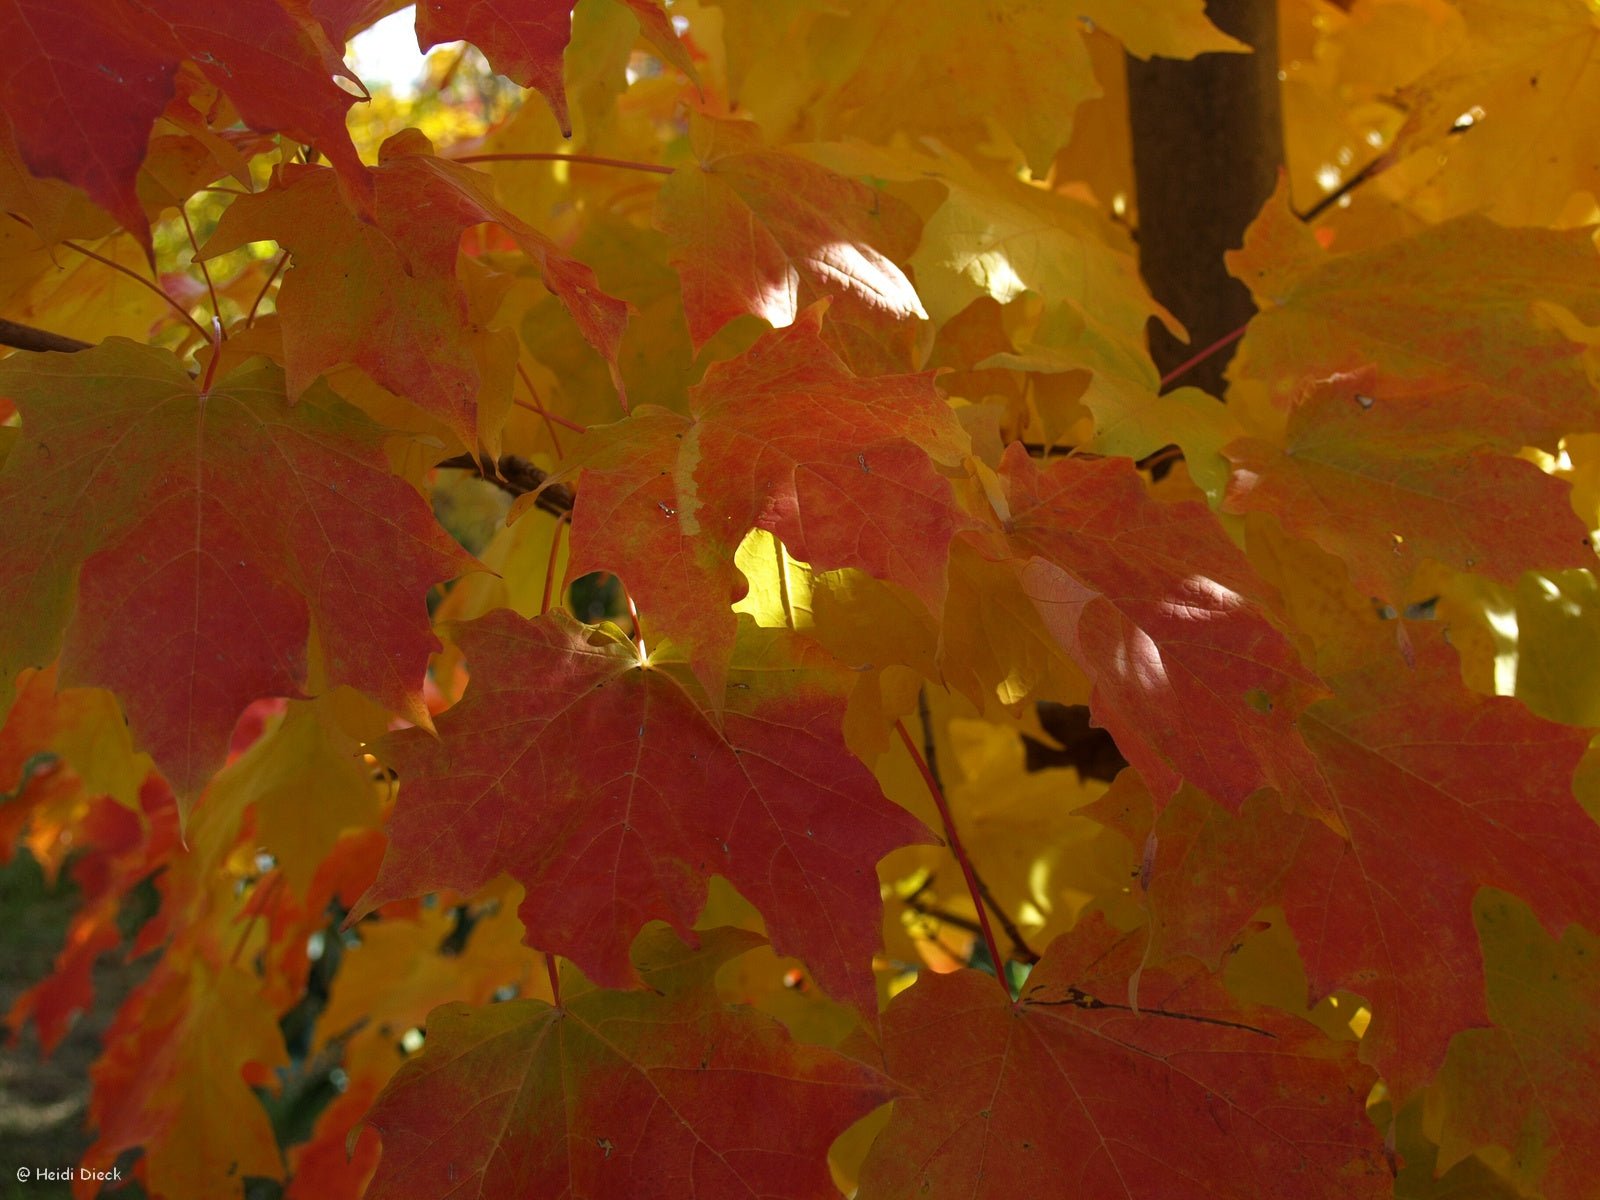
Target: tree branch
x,y
518,477
26,337
1019,944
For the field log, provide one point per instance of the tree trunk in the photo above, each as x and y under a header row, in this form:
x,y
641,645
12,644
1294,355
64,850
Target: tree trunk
x,y
1207,146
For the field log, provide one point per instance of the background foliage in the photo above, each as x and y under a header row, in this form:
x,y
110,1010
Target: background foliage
x,y
641,622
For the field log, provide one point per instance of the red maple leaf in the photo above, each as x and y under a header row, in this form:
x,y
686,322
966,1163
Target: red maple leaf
x,y
611,788
1063,1086
201,537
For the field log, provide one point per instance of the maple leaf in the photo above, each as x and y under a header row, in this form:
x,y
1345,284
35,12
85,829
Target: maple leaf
x,y
1457,315
382,294
996,239
188,1023
956,66
1523,1085
108,68
85,85
276,64
1160,28
1201,871
761,232
252,522
1350,477
1440,791
307,784
1519,88
960,68
1167,619
76,728
758,33
1252,1102
654,1095
343,19
993,644
526,39
1001,238
1407,415
1435,792
607,787
1023,831
115,846
403,967
846,471
340,1156
398,974
1556,626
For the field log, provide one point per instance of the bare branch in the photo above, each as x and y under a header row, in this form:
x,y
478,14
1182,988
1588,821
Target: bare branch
x,y
26,337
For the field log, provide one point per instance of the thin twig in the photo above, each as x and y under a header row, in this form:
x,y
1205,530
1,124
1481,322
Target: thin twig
x,y
250,319
143,282
1373,169
538,407
26,337
1078,998
518,477
205,271
943,915
555,156
550,566
1019,944
550,420
1222,343
961,856
133,275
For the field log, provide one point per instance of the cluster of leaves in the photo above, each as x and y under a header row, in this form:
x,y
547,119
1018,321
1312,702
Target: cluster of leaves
x,y
815,328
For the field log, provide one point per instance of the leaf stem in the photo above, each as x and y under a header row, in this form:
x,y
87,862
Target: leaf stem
x,y
250,320
550,419
257,904
1019,945
133,275
205,271
783,581
550,567
638,633
555,978
1373,169
1189,364
556,156
216,357
960,852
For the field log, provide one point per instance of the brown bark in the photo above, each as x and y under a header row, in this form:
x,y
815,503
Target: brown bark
x,y
1207,146
26,337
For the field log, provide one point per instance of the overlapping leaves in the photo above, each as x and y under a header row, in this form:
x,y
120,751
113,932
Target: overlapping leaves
x,y
848,472
1253,1103
612,787
179,548
1308,776
657,1093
